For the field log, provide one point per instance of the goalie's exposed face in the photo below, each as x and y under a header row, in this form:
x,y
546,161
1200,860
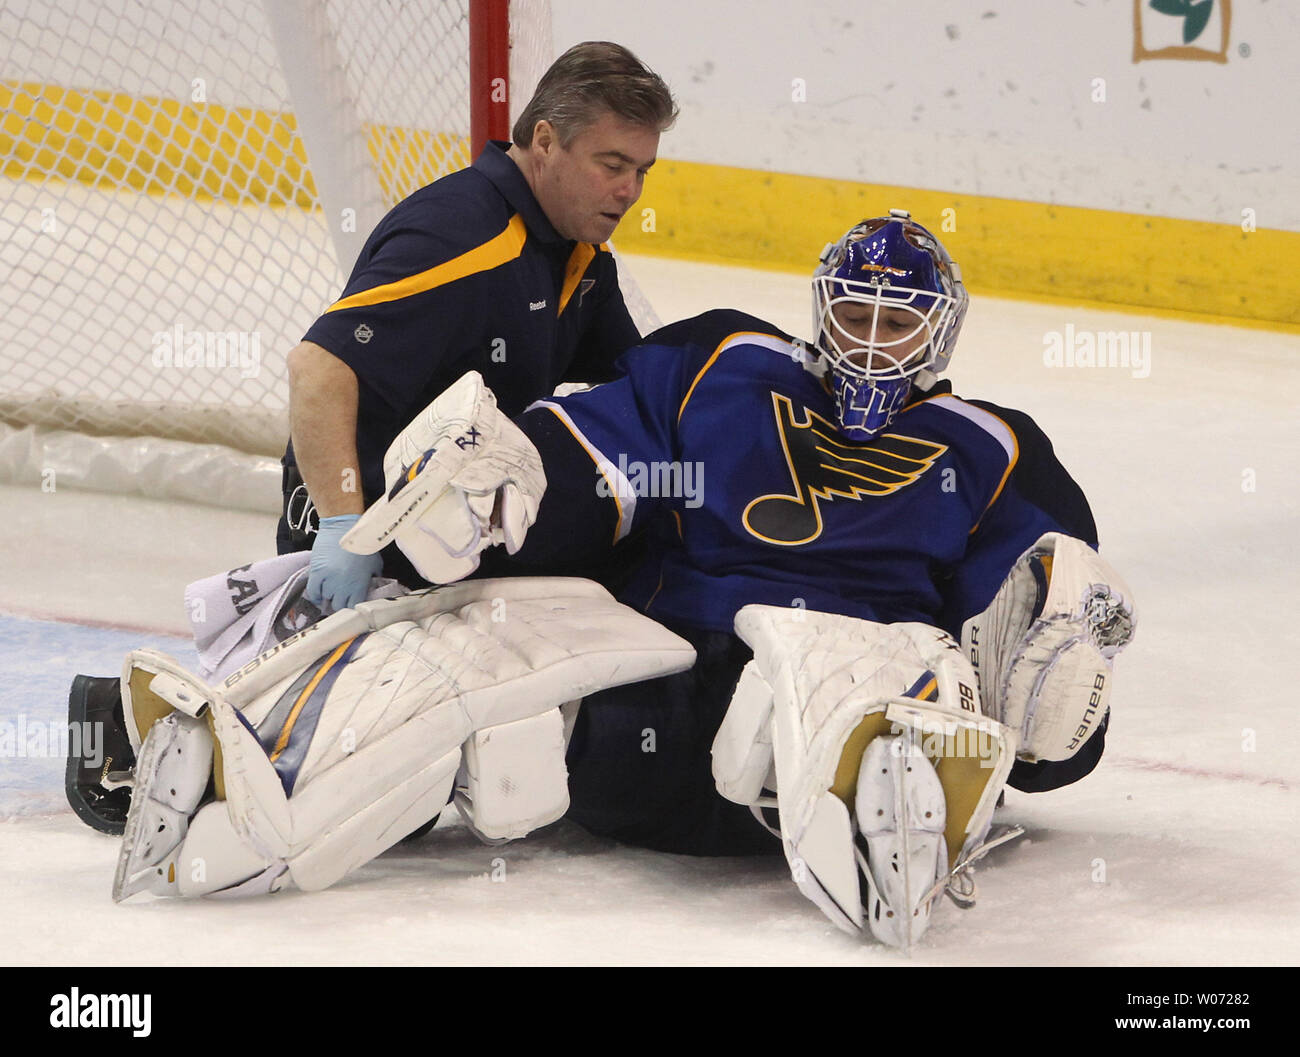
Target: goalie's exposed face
x,y
586,187
885,337
876,347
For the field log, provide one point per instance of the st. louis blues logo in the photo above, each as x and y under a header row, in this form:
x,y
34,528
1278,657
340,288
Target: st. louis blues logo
x,y
824,467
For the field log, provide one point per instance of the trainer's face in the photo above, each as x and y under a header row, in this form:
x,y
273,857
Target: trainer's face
x,y
901,332
586,187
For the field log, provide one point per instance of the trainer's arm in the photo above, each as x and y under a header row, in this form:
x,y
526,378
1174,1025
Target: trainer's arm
x,y
323,424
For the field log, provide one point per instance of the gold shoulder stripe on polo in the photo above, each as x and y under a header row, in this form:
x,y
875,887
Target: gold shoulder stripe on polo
x,y
502,249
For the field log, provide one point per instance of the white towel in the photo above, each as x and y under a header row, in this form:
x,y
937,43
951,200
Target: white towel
x,y
239,614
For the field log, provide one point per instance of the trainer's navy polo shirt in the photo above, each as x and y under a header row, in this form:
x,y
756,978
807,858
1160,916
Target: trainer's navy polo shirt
x,y
468,274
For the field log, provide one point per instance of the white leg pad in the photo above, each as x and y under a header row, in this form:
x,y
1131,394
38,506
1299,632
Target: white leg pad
x,y
214,857
742,748
513,779
154,685
218,855
376,827
827,700
1044,649
822,863
344,738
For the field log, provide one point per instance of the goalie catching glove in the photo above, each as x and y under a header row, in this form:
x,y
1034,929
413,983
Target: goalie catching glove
x,y
1045,647
460,478
885,773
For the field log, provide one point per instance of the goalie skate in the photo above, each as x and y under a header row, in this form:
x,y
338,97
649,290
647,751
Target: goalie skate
x,y
171,777
901,851
99,791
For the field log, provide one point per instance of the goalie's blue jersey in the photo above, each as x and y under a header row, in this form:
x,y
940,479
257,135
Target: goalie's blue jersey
x,y
720,442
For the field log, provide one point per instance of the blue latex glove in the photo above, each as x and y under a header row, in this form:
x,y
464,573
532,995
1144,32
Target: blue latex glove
x,y
338,578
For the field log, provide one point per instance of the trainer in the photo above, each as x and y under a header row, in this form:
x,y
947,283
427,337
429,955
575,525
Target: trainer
x,y
499,268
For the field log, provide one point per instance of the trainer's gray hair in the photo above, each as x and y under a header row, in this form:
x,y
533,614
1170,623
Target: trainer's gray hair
x,y
589,80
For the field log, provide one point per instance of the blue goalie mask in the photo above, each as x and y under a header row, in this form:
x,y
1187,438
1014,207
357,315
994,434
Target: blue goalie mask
x,y
888,302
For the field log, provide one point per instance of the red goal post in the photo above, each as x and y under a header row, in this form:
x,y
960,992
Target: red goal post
x,y
489,70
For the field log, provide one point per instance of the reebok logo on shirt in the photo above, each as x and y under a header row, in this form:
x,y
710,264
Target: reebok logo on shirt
x,y
533,306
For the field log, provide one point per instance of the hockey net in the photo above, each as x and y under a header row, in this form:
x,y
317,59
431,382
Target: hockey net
x,y
164,238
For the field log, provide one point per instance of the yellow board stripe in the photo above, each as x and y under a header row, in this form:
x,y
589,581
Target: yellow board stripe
x,y
723,214
154,145
282,742
499,250
196,150
1068,254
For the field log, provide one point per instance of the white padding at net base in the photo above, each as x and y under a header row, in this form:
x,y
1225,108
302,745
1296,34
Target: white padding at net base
x,y
146,466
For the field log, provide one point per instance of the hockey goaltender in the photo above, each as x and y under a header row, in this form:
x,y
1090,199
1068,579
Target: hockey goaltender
x,y
886,606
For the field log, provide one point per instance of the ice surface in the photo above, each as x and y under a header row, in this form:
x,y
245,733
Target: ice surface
x,y
1179,849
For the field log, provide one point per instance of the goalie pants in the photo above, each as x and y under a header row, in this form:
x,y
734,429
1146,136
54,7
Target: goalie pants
x,y
640,764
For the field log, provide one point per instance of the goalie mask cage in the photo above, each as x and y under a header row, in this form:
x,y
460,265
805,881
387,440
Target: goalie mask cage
x,y
186,185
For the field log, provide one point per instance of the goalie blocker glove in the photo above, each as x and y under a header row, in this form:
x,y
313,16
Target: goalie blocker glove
x,y
460,478
1044,649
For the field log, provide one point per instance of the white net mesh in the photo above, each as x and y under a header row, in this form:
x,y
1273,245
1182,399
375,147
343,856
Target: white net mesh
x,y
163,240
531,50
